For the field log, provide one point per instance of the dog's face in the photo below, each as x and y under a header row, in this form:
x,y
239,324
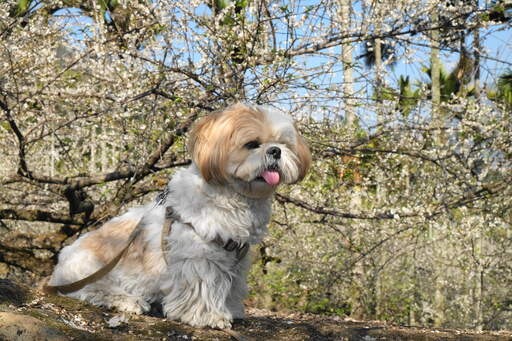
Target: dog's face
x,y
249,148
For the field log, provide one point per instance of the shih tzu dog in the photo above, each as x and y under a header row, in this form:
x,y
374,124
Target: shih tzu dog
x,y
219,206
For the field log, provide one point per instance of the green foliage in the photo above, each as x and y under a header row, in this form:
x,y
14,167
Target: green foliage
x,y
456,82
235,16
499,11
450,85
408,98
20,8
405,97
503,93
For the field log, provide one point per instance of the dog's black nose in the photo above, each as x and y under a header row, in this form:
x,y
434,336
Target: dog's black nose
x,y
275,152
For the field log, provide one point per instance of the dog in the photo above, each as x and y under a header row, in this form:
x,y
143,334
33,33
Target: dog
x,y
220,205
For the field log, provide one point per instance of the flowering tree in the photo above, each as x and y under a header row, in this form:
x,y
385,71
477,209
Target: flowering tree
x,y
406,212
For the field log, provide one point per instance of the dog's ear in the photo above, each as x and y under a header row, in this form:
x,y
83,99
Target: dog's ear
x,y
207,149
303,157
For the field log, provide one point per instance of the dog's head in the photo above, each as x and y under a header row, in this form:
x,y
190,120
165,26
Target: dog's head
x,y
250,148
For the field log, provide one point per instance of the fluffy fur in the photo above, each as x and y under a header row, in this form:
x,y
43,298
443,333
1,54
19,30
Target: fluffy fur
x,y
225,193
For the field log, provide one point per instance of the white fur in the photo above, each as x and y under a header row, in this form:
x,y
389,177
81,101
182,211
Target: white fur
x,y
199,282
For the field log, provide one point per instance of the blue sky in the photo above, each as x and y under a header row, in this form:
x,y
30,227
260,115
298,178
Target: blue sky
x,y
497,43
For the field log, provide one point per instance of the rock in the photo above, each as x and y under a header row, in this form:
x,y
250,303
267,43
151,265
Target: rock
x,y
19,327
11,293
4,270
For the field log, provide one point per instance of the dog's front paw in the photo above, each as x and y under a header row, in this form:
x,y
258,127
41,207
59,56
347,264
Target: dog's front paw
x,y
131,305
220,323
211,320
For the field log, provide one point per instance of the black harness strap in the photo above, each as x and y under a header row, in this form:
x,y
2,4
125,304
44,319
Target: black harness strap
x,y
230,245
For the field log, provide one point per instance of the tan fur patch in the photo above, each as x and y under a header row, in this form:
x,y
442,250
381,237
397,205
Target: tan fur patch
x,y
106,242
111,238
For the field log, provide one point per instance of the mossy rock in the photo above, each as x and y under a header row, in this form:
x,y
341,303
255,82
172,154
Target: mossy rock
x,y
63,318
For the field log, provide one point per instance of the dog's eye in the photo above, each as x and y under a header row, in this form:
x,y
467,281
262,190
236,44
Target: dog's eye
x,y
252,145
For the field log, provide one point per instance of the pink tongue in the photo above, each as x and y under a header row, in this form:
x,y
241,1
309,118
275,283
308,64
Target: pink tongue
x,y
271,177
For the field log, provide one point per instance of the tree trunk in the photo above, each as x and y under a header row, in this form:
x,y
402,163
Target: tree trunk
x,y
479,285
476,56
435,68
378,71
347,60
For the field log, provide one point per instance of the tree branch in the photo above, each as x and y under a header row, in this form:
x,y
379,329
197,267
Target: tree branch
x,y
40,215
322,210
119,174
19,136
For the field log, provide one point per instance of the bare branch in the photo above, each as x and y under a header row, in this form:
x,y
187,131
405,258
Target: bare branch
x,y
39,215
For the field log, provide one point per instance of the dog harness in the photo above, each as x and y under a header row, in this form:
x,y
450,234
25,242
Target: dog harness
x,y
230,246
170,217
